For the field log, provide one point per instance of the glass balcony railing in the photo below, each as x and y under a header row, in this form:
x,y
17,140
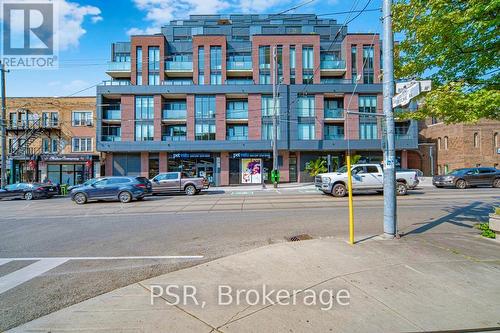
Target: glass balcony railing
x,y
174,114
182,82
334,114
112,114
179,65
116,83
174,138
237,138
334,137
237,114
114,66
239,65
239,81
332,64
111,138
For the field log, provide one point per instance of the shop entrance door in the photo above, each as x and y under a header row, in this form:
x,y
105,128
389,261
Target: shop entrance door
x,y
293,169
205,168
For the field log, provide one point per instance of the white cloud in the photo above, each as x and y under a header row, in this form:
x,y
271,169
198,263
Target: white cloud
x,y
71,19
160,12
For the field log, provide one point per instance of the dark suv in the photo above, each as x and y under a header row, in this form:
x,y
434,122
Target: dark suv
x,y
469,177
124,189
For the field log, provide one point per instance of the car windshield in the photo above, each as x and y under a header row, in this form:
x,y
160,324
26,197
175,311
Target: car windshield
x,y
342,169
456,172
90,181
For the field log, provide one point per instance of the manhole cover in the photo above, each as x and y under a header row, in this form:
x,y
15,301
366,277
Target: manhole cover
x,y
299,238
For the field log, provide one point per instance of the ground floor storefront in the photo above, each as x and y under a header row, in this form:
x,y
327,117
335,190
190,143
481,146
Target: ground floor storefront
x,y
235,168
57,169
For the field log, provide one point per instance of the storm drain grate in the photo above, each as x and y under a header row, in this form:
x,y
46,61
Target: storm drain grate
x,y
299,238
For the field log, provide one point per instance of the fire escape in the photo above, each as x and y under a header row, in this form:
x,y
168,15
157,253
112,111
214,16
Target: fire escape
x,y
25,128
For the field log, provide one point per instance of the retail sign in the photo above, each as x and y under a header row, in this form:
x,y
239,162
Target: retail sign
x,y
251,155
191,155
68,158
251,171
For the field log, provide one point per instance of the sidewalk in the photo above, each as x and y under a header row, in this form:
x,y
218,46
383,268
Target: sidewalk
x,y
421,282
269,187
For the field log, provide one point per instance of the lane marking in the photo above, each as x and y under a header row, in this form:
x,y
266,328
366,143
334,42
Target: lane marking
x,y
4,261
27,273
103,258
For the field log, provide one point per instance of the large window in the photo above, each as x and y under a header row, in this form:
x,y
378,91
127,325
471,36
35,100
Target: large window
x,y
111,133
144,115
267,106
237,109
306,131
216,58
153,58
81,145
174,133
175,109
237,132
293,64
267,131
306,106
50,145
368,129
138,65
354,65
264,57
334,132
49,119
201,65
205,117
81,118
307,57
368,64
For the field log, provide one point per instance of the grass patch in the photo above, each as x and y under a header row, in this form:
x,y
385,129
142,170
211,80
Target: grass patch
x,y
485,230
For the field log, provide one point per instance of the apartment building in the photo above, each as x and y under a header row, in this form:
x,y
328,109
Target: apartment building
x,y
52,139
445,147
197,97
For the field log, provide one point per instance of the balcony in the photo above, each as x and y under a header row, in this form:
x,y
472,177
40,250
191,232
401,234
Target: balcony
x,y
334,137
116,83
239,68
118,69
239,81
179,68
332,67
237,138
111,138
174,138
334,114
172,115
237,114
177,82
112,114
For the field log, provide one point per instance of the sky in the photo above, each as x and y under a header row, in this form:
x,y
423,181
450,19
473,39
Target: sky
x,y
88,27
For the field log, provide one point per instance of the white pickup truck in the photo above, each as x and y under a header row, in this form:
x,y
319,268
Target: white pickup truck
x,y
364,177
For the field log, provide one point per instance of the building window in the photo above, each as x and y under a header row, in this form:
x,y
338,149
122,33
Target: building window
x,y
201,65
121,57
368,129
445,143
476,140
175,109
334,132
216,58
81,145
111,133
267,131
368,64
174,133
138,65
446,169
439,144
144,115
267,106
153,59
306,131
264,78
495,140
50,145
264,57
354,65
215,78
293,57
237,132
50,119
307,57
205,118
81,118
237,109
305,106
153,79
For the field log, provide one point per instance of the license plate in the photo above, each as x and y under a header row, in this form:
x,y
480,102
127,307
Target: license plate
x,y
51,189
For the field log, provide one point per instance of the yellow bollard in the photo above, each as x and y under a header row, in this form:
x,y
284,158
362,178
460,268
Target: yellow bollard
x,y
351,212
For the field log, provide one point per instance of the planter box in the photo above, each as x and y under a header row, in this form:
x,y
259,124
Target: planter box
x,y
495,225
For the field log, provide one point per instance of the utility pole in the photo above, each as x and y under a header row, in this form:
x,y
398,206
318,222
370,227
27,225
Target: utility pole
x,y
390,219
3,180
275,116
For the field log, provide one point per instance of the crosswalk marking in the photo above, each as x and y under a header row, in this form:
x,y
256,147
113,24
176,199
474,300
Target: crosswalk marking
x,y
43,265
22,275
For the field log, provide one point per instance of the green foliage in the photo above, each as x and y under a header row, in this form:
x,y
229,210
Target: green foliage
x,y
454,43
497,210
317,166
486,231
355,159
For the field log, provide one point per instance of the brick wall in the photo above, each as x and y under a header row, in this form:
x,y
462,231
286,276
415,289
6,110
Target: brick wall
x,y
145,42
319,107
190,117
220,117
163,162
158,107
351,126
145,164
224,166
128,117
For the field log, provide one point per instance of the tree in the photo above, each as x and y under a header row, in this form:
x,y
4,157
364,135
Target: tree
x,y
317,166
456,44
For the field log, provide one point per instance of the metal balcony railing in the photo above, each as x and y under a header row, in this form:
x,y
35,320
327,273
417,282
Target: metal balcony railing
x,y
334,113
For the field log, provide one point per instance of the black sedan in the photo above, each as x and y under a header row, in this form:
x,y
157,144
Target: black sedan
x,y
28,191
469,177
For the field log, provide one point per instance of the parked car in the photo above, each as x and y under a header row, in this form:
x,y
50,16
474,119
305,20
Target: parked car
x,y
124,189
28,191
364,177
468,177
172,182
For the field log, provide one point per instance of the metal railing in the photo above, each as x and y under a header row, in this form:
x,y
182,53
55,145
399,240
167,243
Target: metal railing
x,y
116,83
176,82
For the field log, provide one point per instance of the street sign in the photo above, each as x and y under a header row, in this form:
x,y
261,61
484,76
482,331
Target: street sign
x,y
425,85
404,97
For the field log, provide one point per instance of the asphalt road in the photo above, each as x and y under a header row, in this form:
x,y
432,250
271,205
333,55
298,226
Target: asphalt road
x,y
95,242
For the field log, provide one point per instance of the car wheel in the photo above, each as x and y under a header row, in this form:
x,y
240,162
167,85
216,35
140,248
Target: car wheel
x,y
28,196
496,183
401,189
80,198
339,190
190,190
125,197
460,184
